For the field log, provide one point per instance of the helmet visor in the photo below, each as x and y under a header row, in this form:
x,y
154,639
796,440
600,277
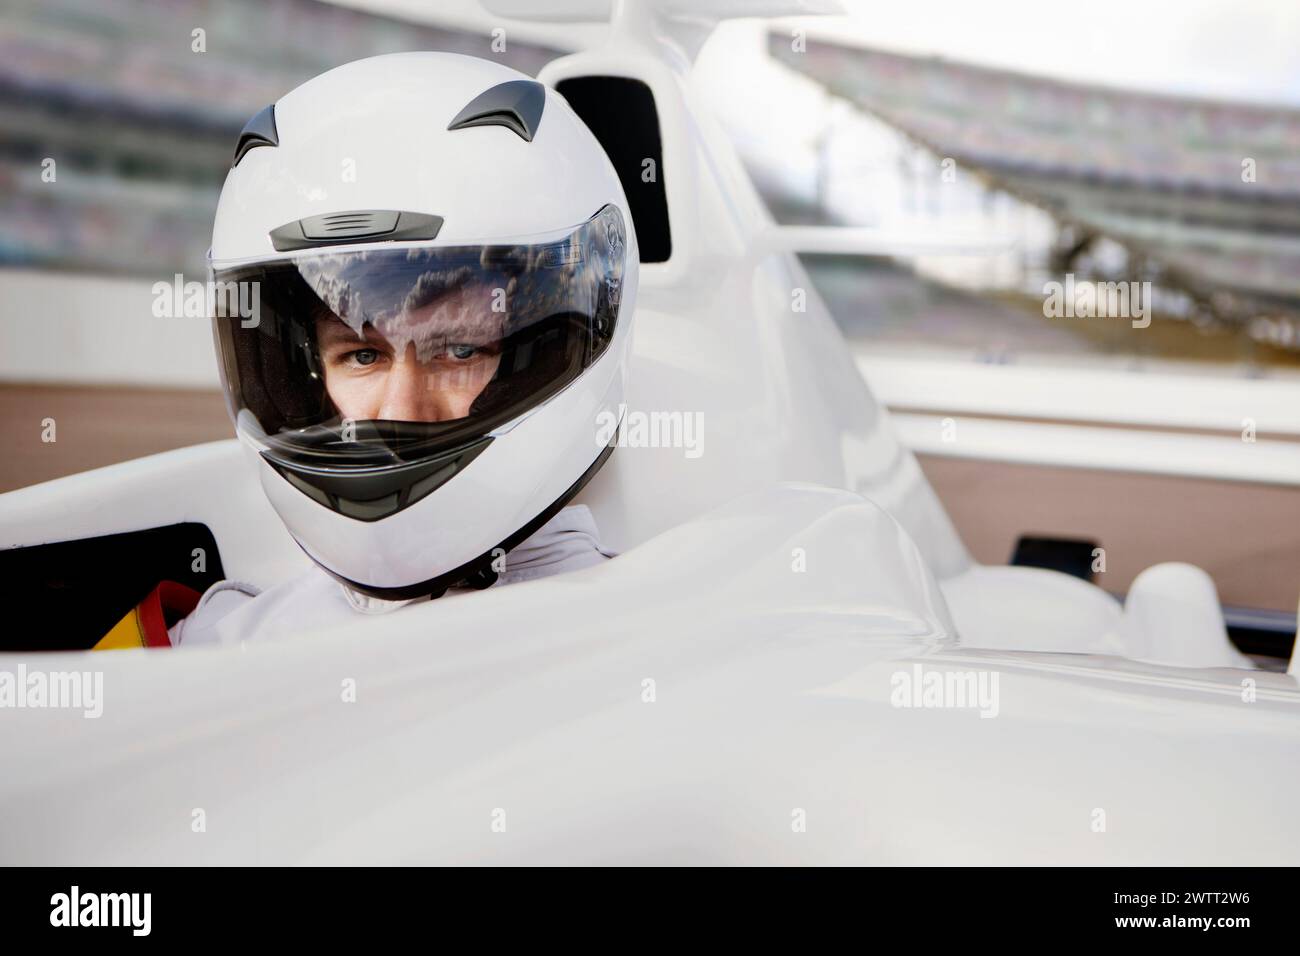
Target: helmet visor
x,y
382,355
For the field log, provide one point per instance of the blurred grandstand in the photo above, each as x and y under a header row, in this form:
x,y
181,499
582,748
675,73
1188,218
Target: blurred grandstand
x,y
1201,198
143,124
1099,182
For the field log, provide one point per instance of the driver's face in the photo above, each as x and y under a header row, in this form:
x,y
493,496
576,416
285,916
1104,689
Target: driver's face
x,y
445,356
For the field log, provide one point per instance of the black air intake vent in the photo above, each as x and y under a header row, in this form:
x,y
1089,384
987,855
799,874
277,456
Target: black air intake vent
x,y
621,113
360,225
516,104
258,131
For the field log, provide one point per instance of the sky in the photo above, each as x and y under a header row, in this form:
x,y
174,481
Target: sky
x,y
1238,49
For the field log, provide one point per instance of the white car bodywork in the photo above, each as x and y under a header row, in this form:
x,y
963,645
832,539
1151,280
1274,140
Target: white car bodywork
x,y
745,683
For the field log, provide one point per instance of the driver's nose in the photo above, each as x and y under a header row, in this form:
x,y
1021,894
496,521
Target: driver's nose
x,y
411,393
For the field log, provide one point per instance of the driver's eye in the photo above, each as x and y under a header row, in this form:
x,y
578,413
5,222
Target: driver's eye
x,y
365,356
462,351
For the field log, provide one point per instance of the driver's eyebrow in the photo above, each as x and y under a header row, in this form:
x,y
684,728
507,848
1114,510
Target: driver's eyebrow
x,y
334,331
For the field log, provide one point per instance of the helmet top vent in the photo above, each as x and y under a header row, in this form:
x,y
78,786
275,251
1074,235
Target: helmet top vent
x,y
516,104
258,131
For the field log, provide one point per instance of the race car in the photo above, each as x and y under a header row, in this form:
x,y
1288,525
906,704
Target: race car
x,y
793,658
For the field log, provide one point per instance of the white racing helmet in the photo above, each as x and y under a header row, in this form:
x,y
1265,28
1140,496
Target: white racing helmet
x,y
439,271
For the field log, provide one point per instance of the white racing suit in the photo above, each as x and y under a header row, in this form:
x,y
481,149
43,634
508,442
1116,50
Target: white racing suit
x,y
231,612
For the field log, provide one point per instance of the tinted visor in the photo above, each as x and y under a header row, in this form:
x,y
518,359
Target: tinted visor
x,y
393,354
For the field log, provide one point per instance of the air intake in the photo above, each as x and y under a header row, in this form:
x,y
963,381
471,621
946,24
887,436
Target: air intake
x,y
363,225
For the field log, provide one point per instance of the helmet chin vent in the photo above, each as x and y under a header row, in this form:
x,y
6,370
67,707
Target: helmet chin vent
x,y
369,494
516,104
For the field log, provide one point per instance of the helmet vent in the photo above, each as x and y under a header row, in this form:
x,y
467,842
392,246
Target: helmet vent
x,y
360,225
516,104
258,131
369,494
